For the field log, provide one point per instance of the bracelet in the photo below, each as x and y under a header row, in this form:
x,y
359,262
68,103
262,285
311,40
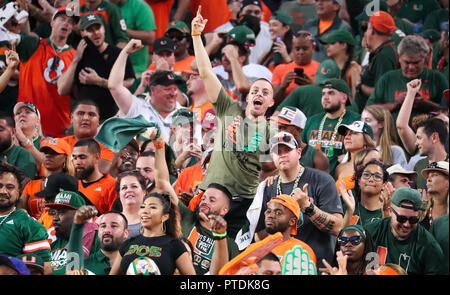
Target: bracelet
x,y
28,146
196,34
217,237
158,145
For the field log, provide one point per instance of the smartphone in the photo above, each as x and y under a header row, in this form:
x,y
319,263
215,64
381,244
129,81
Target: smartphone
x,y
299,72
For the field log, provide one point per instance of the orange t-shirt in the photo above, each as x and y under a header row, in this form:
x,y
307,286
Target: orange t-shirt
x,y
201,110
217,12
281,70
161,12
105,153
47,221
324,25
37,84
35,205
101,193
189,177
289,254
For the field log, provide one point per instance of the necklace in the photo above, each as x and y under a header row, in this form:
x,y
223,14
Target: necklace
x,y
297,180
330,152
6,216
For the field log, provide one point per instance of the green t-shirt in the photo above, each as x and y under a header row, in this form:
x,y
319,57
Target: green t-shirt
x,y
362,215
22,159
20,233
439,230
311,132
393,83
381,61
299,12
115,26
417,10
307,98
434,19
240,146
202,240
139,16
418,254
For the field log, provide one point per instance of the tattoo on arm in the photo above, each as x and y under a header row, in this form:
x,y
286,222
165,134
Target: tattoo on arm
x,y
322,220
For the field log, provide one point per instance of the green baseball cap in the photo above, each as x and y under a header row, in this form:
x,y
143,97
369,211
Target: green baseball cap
x,y
409,195
342,36
241,35
32,260
328,69
178,25
431,34
67,199
357,126
282,17
182,116
339,85
89,19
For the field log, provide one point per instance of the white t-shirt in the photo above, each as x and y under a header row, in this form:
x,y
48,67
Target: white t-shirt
x,y
144,107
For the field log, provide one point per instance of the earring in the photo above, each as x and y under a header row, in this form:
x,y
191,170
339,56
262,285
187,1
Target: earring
x,y
164,227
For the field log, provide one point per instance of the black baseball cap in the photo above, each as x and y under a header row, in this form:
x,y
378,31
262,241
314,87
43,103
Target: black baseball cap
x,y
164,78
57,183
163,44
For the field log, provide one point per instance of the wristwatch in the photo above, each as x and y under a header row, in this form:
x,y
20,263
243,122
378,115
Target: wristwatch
x,y
309,211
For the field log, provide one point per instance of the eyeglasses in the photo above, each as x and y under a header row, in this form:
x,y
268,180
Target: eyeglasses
x,y
355,240
376,176
402,219
284,138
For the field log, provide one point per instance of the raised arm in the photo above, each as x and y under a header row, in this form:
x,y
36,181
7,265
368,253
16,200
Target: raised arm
x,y
66,81
12,59
122,96
407,135
212,83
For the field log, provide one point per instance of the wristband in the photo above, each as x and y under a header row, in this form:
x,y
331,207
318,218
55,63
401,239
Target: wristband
x,y
217,236
196,34
158,145
27,147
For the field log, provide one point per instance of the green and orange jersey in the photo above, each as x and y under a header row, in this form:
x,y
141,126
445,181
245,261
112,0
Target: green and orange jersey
x,y
37,84
102,193
22,234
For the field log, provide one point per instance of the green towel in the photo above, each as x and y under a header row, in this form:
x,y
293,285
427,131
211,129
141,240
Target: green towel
x,y
115,133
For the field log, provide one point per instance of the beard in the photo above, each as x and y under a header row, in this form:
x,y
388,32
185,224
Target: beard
x,y
6,206
111,246
332,109
275,229
85,172
5,144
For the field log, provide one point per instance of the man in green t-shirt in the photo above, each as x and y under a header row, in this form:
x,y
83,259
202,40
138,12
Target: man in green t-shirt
x,y
196,227
401,240
321,129
301,11
241,147
390,89
140,21
416,11
19,233
112,232
383,56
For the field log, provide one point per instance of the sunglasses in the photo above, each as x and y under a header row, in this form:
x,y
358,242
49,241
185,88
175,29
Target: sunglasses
x,y
403,219
355,240
284,138
176,37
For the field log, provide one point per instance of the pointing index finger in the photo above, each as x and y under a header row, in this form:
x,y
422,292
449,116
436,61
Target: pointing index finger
x,y
199,10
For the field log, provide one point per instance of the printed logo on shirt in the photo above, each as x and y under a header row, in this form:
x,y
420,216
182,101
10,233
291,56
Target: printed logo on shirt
x,y
425,93
403,261
53,71
58,258
203,248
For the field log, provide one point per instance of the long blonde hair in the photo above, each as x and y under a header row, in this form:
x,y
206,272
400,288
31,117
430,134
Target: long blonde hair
x,y
388,136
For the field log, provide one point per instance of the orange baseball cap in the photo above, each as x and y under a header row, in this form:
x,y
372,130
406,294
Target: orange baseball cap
x,y
383,22
291,204
58,145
